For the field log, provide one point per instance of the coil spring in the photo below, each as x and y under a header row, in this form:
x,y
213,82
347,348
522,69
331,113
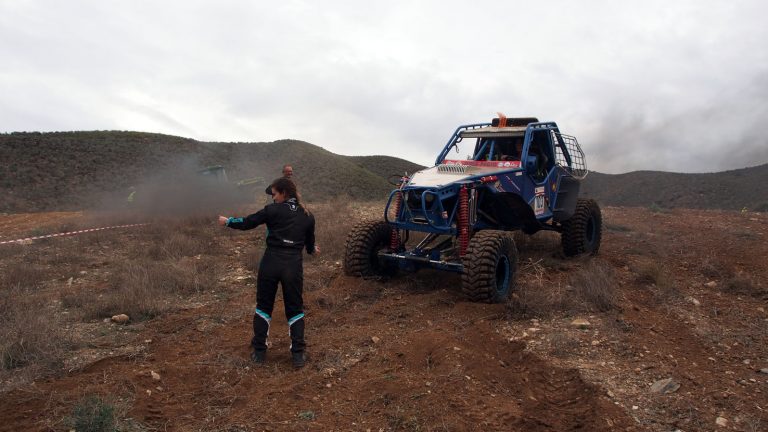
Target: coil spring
x,y
394,239
463,221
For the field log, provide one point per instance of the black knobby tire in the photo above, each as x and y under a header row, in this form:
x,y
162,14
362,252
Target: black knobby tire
x,y
490,265
361,250
583,231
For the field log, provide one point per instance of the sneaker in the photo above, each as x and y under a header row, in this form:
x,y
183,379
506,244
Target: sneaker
x,y
298,359
258,357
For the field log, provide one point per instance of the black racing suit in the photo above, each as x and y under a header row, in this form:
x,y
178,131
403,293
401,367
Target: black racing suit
x,y
289,230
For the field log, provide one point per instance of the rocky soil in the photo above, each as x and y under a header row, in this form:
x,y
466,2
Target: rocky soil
x,y
664,330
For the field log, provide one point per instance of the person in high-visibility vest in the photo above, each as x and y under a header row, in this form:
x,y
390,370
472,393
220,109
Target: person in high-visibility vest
x,y
132,195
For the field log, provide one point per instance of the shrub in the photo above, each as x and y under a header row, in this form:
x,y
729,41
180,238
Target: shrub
x,y
93,414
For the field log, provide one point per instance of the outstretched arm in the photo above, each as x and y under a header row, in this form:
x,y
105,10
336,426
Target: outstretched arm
x,y
246,223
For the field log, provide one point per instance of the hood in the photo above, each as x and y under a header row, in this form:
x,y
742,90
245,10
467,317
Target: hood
x,y
452,171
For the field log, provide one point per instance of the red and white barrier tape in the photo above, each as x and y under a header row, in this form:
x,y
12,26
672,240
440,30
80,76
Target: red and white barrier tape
x,y
70,233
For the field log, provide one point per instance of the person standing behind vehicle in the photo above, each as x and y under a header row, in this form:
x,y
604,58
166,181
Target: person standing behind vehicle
x,y
291,228
287,174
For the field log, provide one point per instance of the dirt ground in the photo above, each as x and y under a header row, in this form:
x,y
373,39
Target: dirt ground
x,y
412,354
13,226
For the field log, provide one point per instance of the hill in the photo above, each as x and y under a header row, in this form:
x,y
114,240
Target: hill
x,y
73,170
732,190
385,166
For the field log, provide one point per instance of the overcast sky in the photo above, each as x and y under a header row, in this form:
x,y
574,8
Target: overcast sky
x,y
667,85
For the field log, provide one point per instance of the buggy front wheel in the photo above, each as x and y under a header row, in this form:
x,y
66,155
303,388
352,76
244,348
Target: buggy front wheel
x,y
490,265
361,255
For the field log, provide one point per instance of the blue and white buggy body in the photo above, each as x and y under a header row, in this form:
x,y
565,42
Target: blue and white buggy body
x,y
515,174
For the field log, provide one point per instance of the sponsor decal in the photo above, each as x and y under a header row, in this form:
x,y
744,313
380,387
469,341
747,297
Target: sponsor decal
x,y
539,201
488,164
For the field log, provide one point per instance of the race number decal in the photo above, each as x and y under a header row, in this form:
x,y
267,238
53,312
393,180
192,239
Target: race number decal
x,y
539,201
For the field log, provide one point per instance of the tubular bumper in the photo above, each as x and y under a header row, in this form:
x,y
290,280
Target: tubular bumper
x,y
404,219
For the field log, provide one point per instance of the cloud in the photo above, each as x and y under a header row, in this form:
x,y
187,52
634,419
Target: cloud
x,y
662,86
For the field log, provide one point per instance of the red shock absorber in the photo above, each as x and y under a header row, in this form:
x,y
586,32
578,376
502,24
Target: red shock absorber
x,y
394,239
463,225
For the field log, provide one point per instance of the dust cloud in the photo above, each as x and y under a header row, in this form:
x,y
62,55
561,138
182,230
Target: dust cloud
x,y
187,187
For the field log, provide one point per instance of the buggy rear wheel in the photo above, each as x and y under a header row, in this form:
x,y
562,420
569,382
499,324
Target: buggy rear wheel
x,y
362,248
490,265
583,231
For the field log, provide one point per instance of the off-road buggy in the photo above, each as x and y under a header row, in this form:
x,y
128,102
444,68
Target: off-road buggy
x,y
517,174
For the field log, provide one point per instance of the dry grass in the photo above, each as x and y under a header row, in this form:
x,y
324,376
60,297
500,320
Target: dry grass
x,y
655,276
745,284
10,250
543,241
176,245
333,222
70,258
252,259
591,288
562,344
29,333
95,239
714,268
143,289
22,274
596,285
616,227
174,240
